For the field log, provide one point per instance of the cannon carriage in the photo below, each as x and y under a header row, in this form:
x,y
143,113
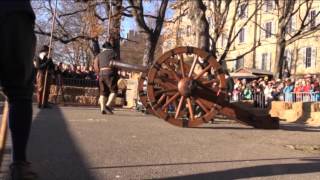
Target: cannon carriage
x,y
186,87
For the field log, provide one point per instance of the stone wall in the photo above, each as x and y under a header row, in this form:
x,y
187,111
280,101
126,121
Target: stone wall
x,y
75,95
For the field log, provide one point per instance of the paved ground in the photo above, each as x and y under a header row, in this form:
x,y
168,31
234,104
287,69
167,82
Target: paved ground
x,y
78,143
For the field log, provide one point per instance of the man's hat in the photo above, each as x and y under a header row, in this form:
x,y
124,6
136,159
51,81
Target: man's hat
x,y
107,45
44,48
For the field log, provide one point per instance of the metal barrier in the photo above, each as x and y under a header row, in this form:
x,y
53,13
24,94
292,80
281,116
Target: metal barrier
x,y
302,97
259,99
78,82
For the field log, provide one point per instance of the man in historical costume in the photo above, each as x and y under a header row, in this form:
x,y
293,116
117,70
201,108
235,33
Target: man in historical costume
x,y
107,77
43,64
16,75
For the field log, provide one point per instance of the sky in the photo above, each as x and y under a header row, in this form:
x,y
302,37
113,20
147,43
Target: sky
x,y
150,8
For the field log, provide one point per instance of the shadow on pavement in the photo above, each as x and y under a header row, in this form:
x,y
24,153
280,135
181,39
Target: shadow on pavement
x,y
199,163
53,150
258,171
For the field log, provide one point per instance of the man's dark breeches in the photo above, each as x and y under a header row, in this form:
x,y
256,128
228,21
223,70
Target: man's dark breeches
x,y
17,44
107,85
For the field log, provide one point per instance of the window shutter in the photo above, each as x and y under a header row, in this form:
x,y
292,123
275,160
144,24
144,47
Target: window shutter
x,y
273,29
244,34
293,24
261,61
308,19
273,5
258,61
304,56
269,61
247,9
313,57
263,31
317,18
289,59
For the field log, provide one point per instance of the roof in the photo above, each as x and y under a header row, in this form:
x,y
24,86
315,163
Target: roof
x,y
254,71
243,75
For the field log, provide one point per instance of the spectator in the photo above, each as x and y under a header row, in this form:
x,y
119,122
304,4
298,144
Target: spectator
x,y
287,90
268,93
247,93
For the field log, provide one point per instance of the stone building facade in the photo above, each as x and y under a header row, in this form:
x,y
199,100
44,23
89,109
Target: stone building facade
x,y
133,47
302,56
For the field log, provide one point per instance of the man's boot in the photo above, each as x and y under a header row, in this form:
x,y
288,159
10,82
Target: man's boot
x,y
111,97
102,102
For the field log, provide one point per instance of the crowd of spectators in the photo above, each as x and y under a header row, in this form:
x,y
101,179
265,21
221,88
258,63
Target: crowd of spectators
x,y
75,71
301,89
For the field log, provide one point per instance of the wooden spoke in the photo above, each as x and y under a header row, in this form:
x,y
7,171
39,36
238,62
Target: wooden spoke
x,y
182,66
161,98
193,66
202,72
171,73
165,91
166,85
169,101
201,104
179,107
190,108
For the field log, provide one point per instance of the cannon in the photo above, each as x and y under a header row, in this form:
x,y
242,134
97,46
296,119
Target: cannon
x,y
186,87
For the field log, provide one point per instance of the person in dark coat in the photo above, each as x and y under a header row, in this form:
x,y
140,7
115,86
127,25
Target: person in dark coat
x,y
43,64
17,75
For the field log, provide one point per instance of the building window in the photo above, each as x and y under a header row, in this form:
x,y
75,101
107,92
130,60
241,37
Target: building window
x,y
287,60
265,61
242,11
188,30
313,15
224,40
239,62
289,27
241,35
179,33
308,57
268,5
268,29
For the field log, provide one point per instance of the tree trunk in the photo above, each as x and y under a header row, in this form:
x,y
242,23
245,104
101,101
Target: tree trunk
x,y
203,28
115,25
278,64
281,42
151,44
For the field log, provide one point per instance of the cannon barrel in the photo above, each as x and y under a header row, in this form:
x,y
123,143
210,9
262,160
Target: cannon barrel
x,y
129,67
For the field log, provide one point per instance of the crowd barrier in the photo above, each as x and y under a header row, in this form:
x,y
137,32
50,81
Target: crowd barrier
x,y
302,97
77,82
259,100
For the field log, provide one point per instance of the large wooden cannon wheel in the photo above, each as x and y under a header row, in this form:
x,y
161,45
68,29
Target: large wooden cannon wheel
x,y
142,91
178,84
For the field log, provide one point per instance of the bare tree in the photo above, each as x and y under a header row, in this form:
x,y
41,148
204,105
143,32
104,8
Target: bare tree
x,y
286,34
153,33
